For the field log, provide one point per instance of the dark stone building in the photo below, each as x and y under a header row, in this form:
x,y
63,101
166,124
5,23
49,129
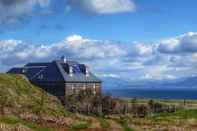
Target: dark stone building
x,y
60,77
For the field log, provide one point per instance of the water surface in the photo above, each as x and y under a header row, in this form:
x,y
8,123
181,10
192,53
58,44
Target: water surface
x,y
153,93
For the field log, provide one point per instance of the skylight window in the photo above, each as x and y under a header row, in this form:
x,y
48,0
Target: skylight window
x,y
76,69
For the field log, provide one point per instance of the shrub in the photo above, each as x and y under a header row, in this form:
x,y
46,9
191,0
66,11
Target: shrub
x,y
104,123
15,120
124,124
36,127
140,111
80,125
10,120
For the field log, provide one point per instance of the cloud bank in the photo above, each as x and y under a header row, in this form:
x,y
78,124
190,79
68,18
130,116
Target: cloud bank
x,y
168,59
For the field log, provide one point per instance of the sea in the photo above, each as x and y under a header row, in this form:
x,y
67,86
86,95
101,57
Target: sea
x,y
153,93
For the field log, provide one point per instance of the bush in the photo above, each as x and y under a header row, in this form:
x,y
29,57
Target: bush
x,y
157,107
35,127
10,120
80,125
124,124
104,123
15,120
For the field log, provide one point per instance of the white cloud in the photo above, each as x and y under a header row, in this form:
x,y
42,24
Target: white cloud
x,y
90,49
107,58
108,75
107,6
141,49
186,43
43,3
76,41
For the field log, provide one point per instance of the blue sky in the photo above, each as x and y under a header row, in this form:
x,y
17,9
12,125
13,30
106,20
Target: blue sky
x,y
151,20
127,39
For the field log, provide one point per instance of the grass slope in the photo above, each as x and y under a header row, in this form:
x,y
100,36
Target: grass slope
x,y
28,105
29,108
19,96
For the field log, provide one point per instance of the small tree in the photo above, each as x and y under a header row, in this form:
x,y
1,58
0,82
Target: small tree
x,y
151,104
134,106
142,111
107,102
97,105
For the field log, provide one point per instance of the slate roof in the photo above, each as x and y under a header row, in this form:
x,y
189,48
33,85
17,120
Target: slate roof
x,y
78,76
56,71
16,70
36,64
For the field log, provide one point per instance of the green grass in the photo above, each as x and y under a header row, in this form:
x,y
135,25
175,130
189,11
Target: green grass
x,y
182,113
10,120
104,123
13,120
80,125
125,126
187,113
20,94
36,127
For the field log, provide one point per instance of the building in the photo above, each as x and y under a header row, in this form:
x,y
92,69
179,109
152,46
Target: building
x,y
60,77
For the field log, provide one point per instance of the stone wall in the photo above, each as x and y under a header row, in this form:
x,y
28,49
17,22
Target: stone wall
x,y
74,88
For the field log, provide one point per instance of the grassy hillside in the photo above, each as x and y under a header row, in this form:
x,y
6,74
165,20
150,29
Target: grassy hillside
x,y
29,108
19,96
21,102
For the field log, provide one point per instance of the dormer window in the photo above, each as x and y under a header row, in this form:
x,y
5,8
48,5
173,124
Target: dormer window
x,y
63,58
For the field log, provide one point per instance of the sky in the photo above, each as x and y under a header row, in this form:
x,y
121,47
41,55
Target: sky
x,y
124,39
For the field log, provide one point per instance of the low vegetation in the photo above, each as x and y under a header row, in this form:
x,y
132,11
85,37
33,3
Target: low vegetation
x,y
80,125
104,123
14,120
125,125
26,107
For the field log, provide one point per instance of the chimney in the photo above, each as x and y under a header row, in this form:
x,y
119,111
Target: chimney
x,y
71,71
63,58
87,72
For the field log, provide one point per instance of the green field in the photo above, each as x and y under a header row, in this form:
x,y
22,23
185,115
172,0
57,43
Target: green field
x,y
185,117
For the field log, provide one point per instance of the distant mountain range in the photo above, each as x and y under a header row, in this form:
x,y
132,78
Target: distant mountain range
x,y
182,83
